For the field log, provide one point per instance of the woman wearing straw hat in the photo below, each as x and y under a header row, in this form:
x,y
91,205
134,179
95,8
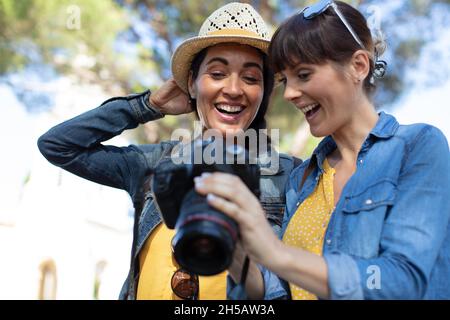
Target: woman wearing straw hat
x,y
223,76
367,216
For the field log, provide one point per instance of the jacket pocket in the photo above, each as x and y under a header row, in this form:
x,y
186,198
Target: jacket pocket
x,y
363,218
381,193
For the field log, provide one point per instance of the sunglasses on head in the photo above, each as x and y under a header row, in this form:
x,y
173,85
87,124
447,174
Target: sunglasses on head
x,y
320,7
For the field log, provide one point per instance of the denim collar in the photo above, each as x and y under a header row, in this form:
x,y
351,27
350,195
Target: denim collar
x,y
385,128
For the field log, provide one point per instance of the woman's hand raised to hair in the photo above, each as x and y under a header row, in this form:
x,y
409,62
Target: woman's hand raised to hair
x,y
228,194
170,99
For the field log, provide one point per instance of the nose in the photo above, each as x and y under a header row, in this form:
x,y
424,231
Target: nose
x,y
291,92
233,86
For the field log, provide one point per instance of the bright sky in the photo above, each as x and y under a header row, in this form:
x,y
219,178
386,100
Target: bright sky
x,y
428,106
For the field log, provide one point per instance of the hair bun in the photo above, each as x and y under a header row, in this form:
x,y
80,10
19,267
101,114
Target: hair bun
x,y
379,43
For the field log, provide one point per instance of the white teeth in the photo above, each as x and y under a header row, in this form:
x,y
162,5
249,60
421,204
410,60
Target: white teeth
x,y
309,108
228,108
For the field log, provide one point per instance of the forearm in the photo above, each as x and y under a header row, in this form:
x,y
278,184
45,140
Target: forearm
x,y
76,144
62,142
302,268
254,285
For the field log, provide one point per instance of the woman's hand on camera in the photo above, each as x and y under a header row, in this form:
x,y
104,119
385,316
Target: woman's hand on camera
x,y
170,99
228,194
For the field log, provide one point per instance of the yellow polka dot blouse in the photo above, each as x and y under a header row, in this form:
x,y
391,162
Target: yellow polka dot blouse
x,y
307,227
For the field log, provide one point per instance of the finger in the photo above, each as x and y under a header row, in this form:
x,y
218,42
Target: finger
x,y
228,192
227,207
174,83
226,186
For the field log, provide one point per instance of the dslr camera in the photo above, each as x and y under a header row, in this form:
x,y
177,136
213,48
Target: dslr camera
x,y
205,238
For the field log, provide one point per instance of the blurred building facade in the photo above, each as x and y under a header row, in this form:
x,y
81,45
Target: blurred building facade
x,y
61,237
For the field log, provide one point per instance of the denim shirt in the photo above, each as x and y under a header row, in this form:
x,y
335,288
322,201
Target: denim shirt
x,y
388,237
76,146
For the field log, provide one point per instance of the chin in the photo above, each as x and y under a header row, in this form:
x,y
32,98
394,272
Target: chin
x,y
318,133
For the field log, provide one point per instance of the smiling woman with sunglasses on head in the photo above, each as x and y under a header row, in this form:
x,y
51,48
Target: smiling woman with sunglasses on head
x,y
222,75
367,216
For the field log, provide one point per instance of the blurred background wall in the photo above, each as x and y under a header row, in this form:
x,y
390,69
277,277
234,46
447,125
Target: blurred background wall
x,y
62,237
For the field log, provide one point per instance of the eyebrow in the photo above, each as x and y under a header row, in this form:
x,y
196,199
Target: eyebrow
x,y
225,62
298,67
302,66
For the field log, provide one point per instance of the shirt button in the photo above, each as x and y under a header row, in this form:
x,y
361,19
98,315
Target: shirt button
x,y
369,201
328,241
298,203
361,161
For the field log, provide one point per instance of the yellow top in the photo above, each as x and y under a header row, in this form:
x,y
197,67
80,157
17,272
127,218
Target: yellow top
x,y
157,266
307,227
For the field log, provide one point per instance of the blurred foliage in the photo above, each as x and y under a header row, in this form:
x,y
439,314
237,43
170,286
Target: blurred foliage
x,y
77,37
103,44
52,26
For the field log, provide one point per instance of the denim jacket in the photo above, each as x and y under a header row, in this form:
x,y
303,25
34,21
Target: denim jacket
x,y
76,146
388,237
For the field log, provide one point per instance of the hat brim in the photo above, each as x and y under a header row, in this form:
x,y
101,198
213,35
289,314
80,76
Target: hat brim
x,y
185,53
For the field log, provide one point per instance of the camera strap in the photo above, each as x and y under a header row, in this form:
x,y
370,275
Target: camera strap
x,y
245,271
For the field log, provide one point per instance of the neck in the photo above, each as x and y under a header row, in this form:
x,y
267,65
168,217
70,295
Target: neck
x,y
350,137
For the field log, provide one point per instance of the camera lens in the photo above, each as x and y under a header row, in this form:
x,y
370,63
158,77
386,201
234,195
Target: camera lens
x,y
205,238
203,247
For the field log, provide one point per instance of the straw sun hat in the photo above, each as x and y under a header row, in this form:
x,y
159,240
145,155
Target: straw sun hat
x,y
232,23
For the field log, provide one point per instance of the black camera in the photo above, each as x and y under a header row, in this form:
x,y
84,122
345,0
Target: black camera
x,y
205,239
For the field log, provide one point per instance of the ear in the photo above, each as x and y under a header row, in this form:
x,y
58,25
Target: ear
x,y
360,65
191,86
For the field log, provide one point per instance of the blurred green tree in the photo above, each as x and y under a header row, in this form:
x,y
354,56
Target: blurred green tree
x,y
52,26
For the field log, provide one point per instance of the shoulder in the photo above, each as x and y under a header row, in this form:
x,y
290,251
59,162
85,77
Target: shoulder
x,y
289,162
421,148
422,135
298,170
152,153
163,146
297,173
273,181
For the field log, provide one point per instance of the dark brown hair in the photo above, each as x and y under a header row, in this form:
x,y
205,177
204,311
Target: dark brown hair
x,y
260,121
321,39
